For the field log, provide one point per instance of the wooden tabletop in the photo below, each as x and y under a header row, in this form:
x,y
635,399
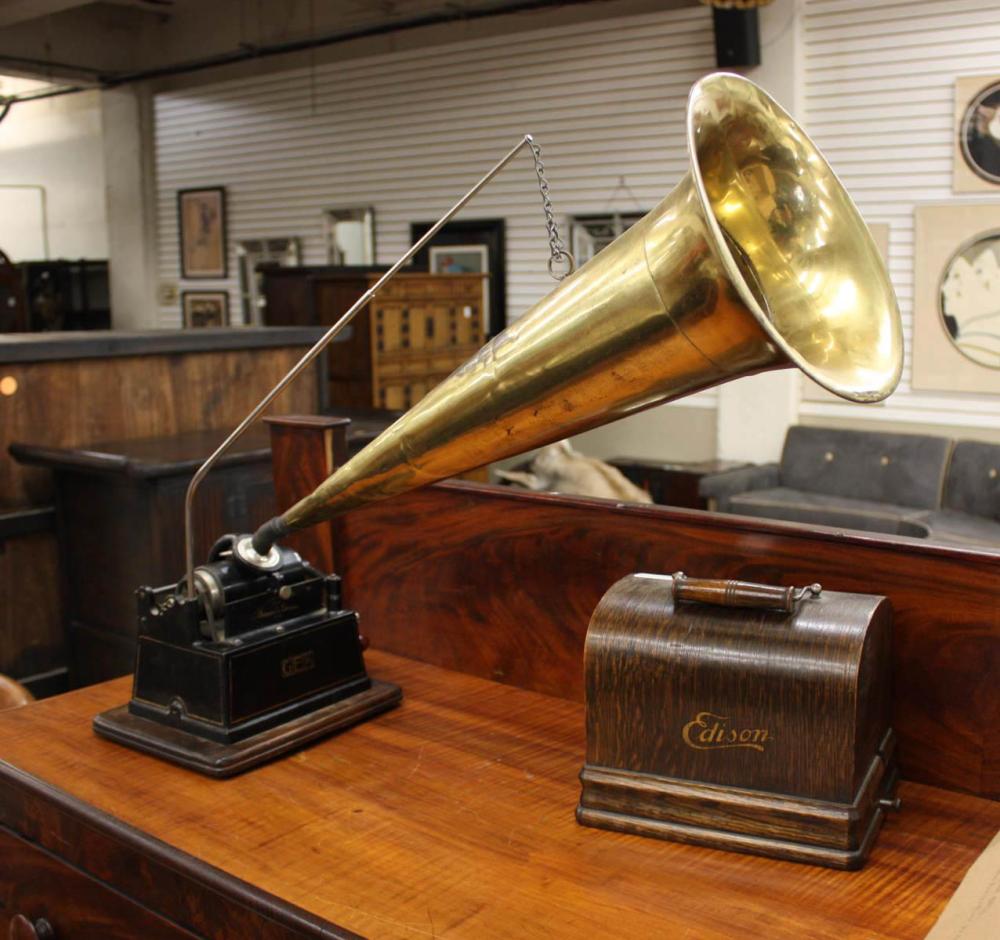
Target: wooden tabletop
x,y
453,816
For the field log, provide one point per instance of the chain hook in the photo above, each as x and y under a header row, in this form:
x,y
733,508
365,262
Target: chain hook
x,y
559,255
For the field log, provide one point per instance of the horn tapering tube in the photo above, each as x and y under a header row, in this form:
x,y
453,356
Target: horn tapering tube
x,y
757,260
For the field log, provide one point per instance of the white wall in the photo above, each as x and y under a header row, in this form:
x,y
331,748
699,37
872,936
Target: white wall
x,y
54,143
879,86
410,131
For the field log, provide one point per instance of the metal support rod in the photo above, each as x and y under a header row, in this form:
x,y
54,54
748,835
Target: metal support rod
x,y
323,342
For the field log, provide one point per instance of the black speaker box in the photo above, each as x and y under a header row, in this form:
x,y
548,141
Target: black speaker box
x,y
737,38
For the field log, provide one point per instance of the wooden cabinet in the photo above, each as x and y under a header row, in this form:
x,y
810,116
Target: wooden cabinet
x,y
417,331
120,511
47,899
422,327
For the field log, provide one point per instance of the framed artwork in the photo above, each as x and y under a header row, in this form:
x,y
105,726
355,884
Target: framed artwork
x,y
201,222
460,259
350,235
461,239
977,134
203,308
956,315
590,233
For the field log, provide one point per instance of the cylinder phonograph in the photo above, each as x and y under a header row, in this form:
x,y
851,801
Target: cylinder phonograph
x,y
757,260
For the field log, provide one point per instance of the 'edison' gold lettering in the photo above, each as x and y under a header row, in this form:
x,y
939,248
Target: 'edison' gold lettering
x,y
709,731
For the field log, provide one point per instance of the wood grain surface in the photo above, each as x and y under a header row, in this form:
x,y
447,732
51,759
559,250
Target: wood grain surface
x,y
516,577
32,638
80,401
451,816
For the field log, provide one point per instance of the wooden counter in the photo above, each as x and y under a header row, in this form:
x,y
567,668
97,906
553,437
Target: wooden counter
x,y
76,388
451,816
62,390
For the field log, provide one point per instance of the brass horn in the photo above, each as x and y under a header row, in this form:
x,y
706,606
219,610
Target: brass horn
x,y
757,260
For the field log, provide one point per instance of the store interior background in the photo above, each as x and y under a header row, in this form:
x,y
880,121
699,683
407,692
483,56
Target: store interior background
x,y
406,121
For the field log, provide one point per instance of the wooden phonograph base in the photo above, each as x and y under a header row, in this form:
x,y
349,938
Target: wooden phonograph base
x,y
818,832
215,759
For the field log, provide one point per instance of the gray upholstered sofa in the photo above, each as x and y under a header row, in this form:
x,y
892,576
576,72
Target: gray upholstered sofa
x,y
906,484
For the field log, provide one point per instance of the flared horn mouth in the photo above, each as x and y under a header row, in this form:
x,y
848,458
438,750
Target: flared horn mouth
x,y
756,260
792,240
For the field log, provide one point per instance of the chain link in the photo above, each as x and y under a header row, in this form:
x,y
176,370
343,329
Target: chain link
x,y
560,255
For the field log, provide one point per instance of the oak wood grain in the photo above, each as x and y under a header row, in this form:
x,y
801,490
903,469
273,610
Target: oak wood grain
x,y
451,817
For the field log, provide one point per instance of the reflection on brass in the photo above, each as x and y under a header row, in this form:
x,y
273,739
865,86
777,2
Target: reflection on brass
x,y
757,260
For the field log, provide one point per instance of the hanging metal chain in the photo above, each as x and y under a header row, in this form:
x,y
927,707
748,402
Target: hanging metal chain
x,y
560,255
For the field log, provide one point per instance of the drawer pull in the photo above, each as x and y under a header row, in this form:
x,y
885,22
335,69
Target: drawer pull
x,y
23,929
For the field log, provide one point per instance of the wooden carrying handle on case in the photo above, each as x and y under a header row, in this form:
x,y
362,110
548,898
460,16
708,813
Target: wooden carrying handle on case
x,y
740,593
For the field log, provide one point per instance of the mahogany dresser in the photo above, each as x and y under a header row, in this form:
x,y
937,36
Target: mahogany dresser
x,y
453,815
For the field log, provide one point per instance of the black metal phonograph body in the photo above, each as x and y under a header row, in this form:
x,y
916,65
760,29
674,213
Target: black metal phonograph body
x,y
261,661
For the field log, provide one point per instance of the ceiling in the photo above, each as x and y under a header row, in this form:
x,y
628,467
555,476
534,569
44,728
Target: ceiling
x,y
113,40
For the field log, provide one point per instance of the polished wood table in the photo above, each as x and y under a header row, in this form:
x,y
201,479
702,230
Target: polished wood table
x,y
452,816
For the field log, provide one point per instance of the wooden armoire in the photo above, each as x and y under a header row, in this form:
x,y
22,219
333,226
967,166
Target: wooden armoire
x,y
418,329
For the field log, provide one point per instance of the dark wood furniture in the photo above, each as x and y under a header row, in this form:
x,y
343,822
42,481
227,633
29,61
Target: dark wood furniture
x,y
68,389
120,511
13,311
418,330
672,483
32,645
66,295
74,388
452,816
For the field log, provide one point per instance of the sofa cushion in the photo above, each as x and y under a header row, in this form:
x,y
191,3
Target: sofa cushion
x,y
821,509
961,528
902,469
973,483
721,487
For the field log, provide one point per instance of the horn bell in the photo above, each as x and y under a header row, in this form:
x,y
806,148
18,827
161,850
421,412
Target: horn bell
x,y
757,260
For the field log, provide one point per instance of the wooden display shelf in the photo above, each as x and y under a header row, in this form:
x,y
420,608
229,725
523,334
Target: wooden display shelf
x,y
452,816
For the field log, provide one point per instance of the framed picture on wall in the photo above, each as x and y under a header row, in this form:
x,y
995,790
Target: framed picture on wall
x,y
201,222
460,259
956,315
977,134
202,308
460,240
